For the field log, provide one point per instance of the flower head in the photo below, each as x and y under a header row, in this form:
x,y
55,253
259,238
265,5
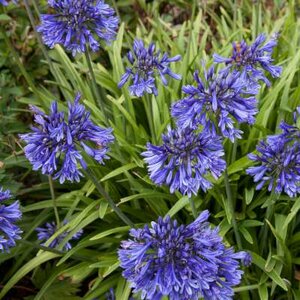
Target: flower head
x,y
9,214
50,228
77,23
53,145
146,63
184,262
219,99
184,159
253,60
279,160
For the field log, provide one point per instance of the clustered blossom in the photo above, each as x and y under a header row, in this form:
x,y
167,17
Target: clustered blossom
x,y
183,160
77,23
279,160
55,144
44,234
253,60
183,262
217,102
9,215
146,65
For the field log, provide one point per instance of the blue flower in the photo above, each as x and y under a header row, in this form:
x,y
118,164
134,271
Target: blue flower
x,y
183,262
184,159
54,145
77,23
5,3
9,214
146,65
217,102
292,132
45,233
253,60
279,160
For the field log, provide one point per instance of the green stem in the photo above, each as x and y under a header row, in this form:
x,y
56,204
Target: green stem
x,y
95,88
148,108
269,214
54,201
249,287
234,150
18,60
231,209
193,207
234,15
36,7
110,201
43,48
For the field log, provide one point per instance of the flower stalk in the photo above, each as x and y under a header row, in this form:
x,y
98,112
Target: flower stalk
x,y
106,196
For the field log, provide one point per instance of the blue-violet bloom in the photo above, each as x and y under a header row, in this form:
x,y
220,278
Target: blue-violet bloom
x,y
146,65
9,215
183,262
184,158
55,144
253,60
44,234
217,102
78,23
279,160
5,3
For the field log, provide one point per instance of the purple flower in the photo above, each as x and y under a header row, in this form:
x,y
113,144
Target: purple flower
x,y
54,145
292,132
5,3
45,233
183,262
77,23
279,160
146,65
184,159
253,60
217,102
9,214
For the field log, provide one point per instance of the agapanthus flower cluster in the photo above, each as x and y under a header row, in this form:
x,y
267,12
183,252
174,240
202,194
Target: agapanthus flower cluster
x,y
146,66
279,160
55,144
44,234
9,215
77,23
252,60
218,101
184,262
184,158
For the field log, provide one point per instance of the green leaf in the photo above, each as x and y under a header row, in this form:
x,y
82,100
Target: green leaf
x,y
28,267
119,171
260,262
109,232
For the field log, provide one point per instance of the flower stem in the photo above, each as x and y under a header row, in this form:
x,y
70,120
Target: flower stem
x,y
42,46
193,207
269,214
98,93
231,209
110,201
54,201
